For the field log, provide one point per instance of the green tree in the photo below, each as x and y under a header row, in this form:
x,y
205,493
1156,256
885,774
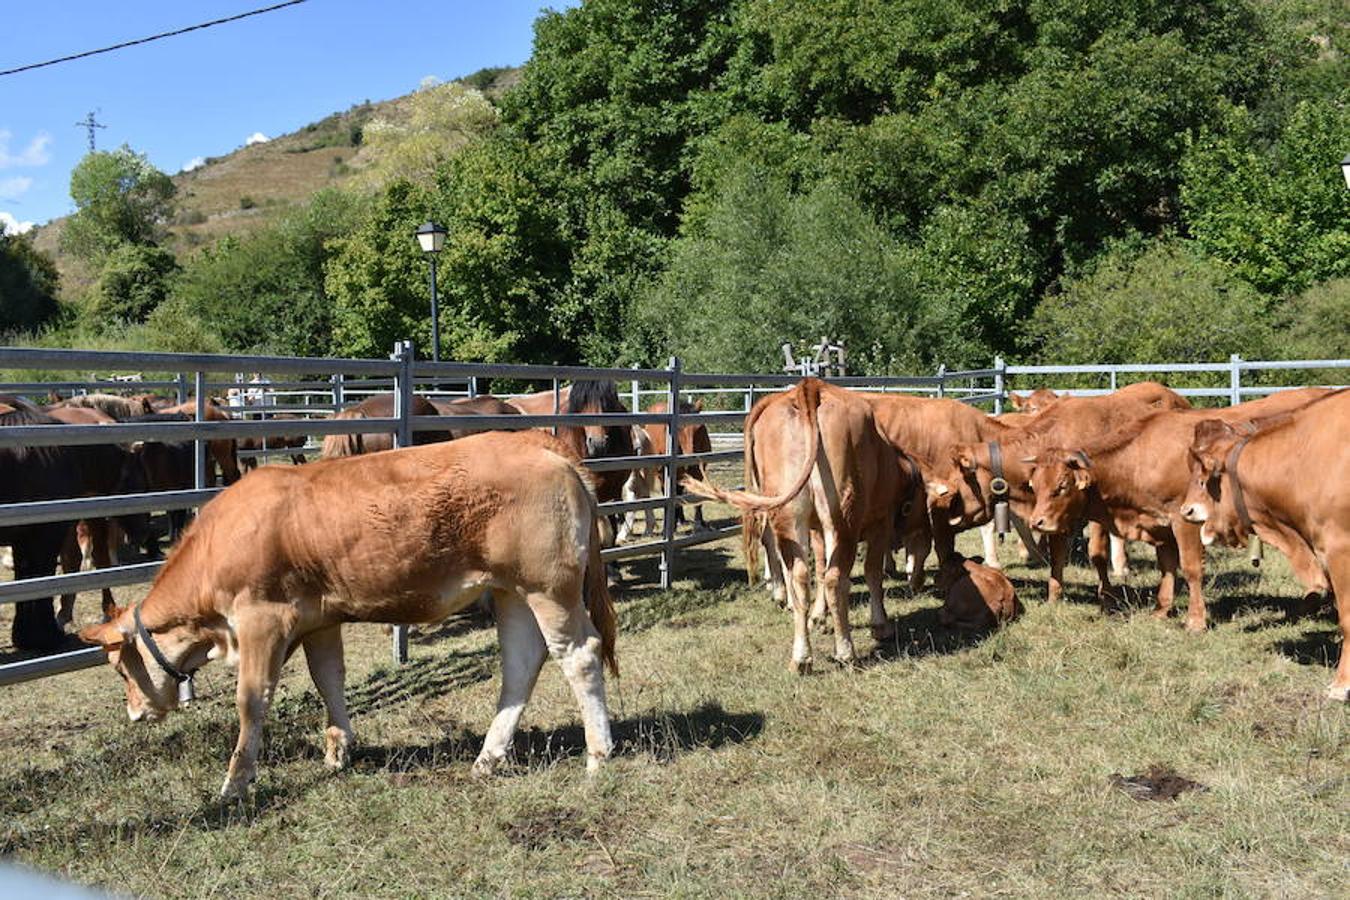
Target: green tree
x,y
28,285
1165,304
1279,215
120,198
424,131
135,279
771,267
1317,323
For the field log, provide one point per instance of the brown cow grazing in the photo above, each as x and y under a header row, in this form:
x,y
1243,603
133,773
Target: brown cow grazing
x,y
824,470
1132,482
977,597
409,536
1290,474
379,406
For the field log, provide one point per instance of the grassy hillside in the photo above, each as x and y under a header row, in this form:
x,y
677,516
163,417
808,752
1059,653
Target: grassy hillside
x,y
240,191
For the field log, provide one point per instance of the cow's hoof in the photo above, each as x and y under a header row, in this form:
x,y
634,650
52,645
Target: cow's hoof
x,y
235,789
800,666
884,632
485,766
1339,692
1196,626
1162,613
336,754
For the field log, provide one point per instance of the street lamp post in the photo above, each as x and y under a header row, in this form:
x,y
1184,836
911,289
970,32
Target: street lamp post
x,y
1345,169
431,237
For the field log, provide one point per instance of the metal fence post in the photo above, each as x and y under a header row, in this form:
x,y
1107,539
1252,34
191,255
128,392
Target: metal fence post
x,y
637,395
1234,380
403,437
557,401
473,386
672,492
181,378
336,382
199,445
942,380
998,385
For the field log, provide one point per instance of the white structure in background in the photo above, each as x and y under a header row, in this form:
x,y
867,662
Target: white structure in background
x,y
827,361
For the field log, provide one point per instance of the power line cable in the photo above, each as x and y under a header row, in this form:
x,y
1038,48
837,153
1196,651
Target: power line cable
x,y
154,37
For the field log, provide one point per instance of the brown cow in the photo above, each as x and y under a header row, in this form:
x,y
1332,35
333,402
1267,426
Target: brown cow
x,y
379,406
1030,404
977,597
408,536
1132,482
1289,475
961,492
815,453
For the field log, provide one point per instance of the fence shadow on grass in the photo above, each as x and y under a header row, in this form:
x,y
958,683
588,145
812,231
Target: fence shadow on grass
x,y
421,678
656,734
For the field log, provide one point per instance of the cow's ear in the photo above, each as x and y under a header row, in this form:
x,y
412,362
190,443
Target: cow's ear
x,y
965,460
1016,401
698,405
105,635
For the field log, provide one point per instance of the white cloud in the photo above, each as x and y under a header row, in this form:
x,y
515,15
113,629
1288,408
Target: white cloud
x,y
11,225
428,81
13,187
256,137
35,154
195,163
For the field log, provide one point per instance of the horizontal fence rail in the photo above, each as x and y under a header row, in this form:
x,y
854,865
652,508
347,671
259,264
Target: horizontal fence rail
x,y
313,389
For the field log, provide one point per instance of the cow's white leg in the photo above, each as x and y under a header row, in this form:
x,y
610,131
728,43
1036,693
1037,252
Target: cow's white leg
x,y
1120,560
572,640
649,481
1338,568
523,655
987,538
328,668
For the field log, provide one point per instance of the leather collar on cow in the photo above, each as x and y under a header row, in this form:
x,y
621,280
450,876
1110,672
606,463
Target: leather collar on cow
x,y
155,652
998,486
1239,501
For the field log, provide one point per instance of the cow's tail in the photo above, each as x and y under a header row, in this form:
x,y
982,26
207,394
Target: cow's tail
x,y
599,605
747,501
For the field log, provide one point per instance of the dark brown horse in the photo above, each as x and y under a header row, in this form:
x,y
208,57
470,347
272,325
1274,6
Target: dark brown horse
x,y
593,441
474,406
30,474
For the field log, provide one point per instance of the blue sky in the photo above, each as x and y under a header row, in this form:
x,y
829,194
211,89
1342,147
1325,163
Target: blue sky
x,y
204,93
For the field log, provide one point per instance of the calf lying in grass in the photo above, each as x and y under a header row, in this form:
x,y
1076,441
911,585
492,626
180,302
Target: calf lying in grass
x,y
407,536
977,597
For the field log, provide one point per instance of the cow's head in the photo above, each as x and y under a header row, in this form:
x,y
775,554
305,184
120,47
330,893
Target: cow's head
x,y
1060,480
151,691
1209,495
958,489
1037,401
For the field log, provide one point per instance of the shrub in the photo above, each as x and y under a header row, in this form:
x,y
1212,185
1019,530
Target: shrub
x,y
1166,304
135,279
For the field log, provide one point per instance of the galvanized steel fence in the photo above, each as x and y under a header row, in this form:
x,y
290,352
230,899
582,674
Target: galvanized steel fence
x,y
312,401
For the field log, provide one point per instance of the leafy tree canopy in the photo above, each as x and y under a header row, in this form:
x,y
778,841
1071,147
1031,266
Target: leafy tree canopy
x,y
120,198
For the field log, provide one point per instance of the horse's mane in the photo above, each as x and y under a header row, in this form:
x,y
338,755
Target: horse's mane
x,y
24,414
593,396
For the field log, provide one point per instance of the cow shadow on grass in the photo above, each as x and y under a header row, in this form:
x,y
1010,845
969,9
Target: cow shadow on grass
x,y
703,568
658,735
1319,647
919,633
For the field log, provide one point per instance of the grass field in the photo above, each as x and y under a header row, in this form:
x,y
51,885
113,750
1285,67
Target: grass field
x,y
943,766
